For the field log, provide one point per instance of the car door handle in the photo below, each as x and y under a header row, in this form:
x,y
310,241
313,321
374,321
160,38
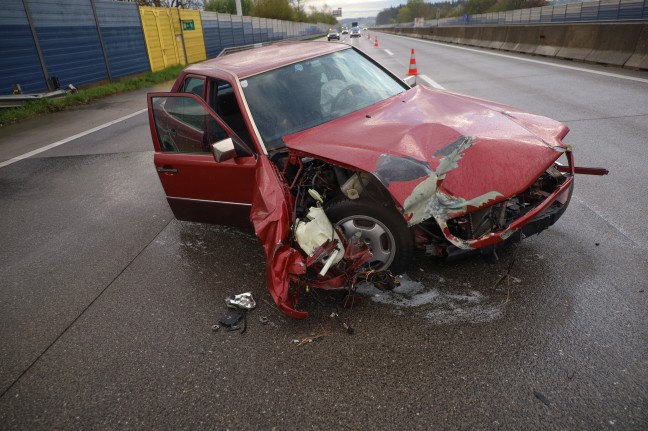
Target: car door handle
x,y
166,169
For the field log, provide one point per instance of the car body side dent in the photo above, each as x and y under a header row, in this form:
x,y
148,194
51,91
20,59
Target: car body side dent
x,y
271,218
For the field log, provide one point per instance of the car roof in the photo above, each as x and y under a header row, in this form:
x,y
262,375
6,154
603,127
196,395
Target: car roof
x,y
254,60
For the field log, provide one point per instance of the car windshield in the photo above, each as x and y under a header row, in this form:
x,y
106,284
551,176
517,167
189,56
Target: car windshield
x,y
314,91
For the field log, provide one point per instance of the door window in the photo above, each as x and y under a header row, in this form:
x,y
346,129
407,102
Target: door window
x,y
223,101
183,125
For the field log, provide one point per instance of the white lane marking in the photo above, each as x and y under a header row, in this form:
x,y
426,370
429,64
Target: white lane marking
x,y
528,60
431,81
389,52
71,138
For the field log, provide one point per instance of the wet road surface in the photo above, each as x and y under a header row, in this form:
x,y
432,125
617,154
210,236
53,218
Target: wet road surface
x,y
107,302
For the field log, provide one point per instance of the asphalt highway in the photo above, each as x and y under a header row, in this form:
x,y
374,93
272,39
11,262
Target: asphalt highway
x,y
107,302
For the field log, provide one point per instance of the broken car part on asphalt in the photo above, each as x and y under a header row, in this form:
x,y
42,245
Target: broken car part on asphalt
x,y
242,301
343,175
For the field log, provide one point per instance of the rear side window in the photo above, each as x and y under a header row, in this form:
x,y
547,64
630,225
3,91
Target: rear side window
x,y
194,85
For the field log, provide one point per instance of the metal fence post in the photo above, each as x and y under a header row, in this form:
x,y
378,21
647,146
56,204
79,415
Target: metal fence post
x,y
38,48
101,41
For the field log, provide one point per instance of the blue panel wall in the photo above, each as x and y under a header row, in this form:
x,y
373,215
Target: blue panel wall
x,y
69,40
256,28
631,9
265,31
247,30
19,62
237,31
211,33
122,34
589,11
225,26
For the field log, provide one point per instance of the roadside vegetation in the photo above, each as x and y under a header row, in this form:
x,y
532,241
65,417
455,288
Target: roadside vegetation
x,y
447,9
83,96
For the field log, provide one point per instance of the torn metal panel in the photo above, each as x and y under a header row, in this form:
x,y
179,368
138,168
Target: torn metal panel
x,y
336,260
271,219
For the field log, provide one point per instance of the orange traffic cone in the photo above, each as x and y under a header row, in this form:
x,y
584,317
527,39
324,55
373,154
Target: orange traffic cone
x,y
376,42
368,35
412,67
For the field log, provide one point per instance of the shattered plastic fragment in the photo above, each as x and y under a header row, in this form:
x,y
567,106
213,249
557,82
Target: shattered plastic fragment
x,y
243,301
230,318
317,232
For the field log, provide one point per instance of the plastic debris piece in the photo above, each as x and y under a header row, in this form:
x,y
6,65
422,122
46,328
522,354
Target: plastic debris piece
x,y
318,232
264,320
230,318
215,328
348,329
307,340
542,398
243,301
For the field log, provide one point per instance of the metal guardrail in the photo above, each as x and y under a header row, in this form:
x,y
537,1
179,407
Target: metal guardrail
x,y
591,11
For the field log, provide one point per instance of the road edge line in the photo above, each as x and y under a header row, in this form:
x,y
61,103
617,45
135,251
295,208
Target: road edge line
x,y
71,138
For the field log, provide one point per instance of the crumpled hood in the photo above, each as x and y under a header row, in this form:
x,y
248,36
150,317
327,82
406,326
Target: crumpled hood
x,y
470,149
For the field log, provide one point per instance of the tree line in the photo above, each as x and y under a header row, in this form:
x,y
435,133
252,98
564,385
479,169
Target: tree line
x,y
288,10
420,9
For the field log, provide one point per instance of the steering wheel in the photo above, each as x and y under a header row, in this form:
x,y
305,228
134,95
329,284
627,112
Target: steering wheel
x,y
349,91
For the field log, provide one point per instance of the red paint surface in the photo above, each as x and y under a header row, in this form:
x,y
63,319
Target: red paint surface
x,y
513,148
271,219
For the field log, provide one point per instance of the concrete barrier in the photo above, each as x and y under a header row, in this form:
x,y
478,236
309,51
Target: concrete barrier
x,y
494,37
580,40
550,39
447,34
615,44
619,44
472,36
639,59
522,39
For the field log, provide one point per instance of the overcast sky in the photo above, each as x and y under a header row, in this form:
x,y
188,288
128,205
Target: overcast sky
x,y
356,8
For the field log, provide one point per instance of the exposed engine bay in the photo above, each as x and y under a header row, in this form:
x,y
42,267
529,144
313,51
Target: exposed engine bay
x,y
314,183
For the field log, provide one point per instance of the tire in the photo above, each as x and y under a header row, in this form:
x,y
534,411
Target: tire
x,y
383,229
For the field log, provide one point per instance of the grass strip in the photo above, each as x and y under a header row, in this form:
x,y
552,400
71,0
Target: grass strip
x,y
81,97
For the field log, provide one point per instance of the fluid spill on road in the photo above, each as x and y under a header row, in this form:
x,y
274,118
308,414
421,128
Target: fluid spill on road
x,y
438,305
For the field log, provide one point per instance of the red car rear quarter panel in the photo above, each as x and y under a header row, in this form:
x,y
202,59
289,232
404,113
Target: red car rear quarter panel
x,y
508,150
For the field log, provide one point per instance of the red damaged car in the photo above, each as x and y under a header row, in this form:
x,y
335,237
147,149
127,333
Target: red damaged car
x,y
344,171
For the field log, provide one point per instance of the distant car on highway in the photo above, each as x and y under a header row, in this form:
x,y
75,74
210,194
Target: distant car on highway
x,y
343,176
345,30
333,35
355,32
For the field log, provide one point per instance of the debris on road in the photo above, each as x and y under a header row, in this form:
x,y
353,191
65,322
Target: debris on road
x,y
349,330
242,301
238,307
230,318
541,397
307,340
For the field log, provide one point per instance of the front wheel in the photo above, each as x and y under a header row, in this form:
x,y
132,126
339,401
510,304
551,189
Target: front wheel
x,y
383,229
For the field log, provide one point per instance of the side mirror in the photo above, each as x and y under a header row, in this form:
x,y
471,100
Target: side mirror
x,y
223,150
410,80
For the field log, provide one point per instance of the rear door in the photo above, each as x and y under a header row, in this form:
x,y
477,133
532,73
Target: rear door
x,y
198,188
